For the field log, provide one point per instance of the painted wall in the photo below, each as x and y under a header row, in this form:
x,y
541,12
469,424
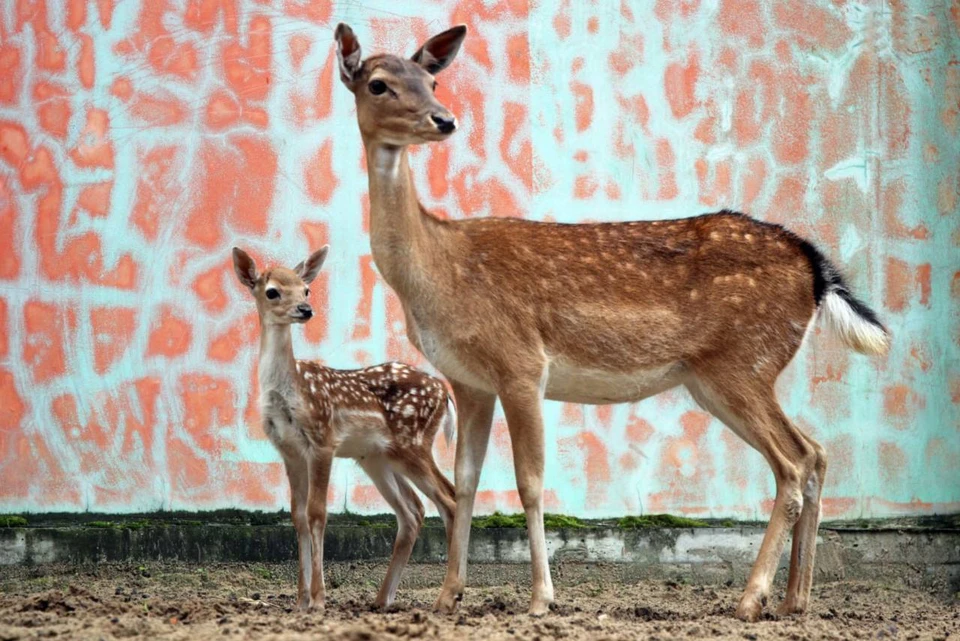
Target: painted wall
x,y
140,140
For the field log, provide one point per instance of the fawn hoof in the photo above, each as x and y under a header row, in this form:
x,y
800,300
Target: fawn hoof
x,y
749,609
790,607
448,601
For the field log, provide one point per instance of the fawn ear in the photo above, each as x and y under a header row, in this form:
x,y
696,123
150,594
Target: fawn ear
x,y
348,54
245,268
308,269
440,50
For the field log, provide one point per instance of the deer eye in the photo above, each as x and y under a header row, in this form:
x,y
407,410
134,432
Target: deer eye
x,y
434,85
306,292
273,294
377,87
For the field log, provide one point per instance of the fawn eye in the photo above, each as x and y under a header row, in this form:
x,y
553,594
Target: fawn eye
x,y
377,87
306,292
434,85
273,294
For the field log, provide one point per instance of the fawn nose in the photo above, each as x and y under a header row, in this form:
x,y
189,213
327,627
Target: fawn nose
x,y
305,310
445,123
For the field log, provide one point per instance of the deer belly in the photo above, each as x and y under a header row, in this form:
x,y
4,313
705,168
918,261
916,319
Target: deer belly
x,y
359,434
450,363
575,384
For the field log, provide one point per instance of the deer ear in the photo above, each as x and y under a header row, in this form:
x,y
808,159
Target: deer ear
x,y
348,54
245,268
308,269
439,51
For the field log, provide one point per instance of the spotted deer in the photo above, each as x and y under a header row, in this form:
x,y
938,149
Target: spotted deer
x,y
594,313
385,417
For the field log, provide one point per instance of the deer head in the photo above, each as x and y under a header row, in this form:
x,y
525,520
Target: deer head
x,y
395,97
281,293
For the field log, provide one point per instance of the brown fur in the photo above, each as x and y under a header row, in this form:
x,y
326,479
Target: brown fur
x,y
594,313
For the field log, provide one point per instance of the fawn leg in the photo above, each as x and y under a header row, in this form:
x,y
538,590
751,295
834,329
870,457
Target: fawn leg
x,y
422,471
299,477
319,471
409,510
474,420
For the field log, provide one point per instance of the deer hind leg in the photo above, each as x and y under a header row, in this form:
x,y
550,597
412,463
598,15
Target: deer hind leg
x,y
409,510
749,407
474,420
805,538
298,475
521,405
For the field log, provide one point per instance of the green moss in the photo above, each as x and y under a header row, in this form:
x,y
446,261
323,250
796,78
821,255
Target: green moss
x,y
658,520
552,521
12,521
497,520
106,525
557,521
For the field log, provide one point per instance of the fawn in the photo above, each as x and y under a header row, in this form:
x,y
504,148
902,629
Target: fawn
x,y
385,417
594,313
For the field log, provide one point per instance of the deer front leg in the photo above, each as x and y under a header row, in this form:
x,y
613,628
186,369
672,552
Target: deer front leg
x,y
475,417
521,404
319,476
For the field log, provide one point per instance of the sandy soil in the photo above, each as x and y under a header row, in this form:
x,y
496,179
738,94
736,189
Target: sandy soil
x,y
256,601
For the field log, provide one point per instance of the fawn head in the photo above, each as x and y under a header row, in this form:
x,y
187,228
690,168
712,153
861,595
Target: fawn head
x,y
395,97
281,293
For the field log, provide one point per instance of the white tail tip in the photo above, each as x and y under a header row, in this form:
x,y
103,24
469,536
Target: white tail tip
x,y
450,422
855,330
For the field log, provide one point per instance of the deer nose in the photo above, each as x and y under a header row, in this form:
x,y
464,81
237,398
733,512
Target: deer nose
x,y
305,310
445,124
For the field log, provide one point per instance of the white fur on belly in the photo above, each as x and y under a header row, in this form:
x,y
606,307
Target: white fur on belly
x,y
575,384
359,433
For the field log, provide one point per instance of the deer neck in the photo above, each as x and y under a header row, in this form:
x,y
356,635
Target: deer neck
x,y
276,369
403,235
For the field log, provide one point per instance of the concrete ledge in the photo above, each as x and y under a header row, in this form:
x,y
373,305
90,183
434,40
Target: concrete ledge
x,y
919,557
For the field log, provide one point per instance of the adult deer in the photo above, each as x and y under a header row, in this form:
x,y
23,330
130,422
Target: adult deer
x,y
594,313
385,417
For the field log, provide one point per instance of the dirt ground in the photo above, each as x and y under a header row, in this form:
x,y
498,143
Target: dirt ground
x,y
255,601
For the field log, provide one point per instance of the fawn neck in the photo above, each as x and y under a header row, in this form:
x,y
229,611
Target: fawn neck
x,y
402,234
276,369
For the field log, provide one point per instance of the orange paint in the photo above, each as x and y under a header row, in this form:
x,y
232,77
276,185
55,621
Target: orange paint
x,y
47,329
667,179
237,185
94,148
318,174
11,73
96,198
9,258
299,49
680,83
243,334
743,20
368,278
113,329
583,99
12,408
85,63
53,108
170,335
